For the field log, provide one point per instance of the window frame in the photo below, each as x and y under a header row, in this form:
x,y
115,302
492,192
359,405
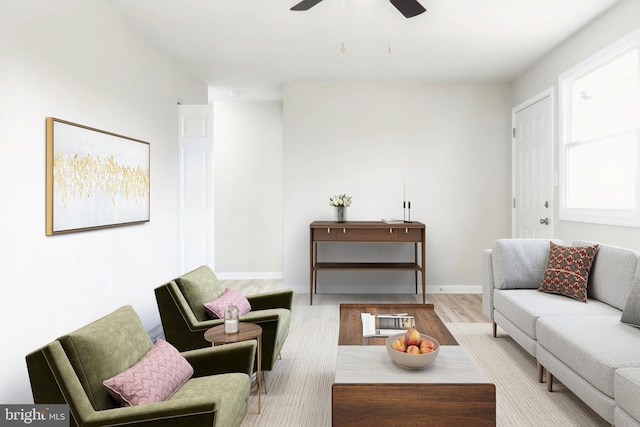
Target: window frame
x,y
620,217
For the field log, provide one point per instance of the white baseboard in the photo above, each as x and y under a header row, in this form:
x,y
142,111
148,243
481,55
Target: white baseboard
x,y
275,275
454,289
304,289
431,289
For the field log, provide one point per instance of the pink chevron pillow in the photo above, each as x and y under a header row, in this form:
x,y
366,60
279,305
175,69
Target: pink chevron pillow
x,y
216,308
154,378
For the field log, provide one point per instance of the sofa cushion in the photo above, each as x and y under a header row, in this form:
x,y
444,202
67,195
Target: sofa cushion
x,y
198,287
613,273
216,308
105,348
281,328
520,263
622,419
568,270
626,386
592,346
229,391
523,307
154,378
631,313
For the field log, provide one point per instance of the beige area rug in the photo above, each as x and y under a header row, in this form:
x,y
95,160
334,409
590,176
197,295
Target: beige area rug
x,y
299,388
520,399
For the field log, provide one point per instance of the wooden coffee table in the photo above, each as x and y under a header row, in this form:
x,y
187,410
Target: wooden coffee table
x,y
370,389
427,322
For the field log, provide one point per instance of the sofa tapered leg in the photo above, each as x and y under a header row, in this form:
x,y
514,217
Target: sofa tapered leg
x,y
540,372
549,381
495,329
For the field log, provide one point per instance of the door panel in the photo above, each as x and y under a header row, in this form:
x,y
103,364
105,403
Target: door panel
x,y
195,187
533,169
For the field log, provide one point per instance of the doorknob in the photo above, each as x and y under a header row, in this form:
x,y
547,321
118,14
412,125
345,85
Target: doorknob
x,y
544,221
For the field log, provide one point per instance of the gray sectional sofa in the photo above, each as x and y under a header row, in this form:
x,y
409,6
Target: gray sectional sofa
x,y
593,348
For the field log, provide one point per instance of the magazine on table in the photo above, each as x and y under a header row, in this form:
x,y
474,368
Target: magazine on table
x,y
392,221
384,325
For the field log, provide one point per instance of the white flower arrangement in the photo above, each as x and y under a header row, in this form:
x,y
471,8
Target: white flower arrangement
x,y
340,200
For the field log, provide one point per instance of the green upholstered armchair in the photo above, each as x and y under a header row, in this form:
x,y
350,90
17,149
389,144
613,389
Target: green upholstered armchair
x,y
70,370
185,320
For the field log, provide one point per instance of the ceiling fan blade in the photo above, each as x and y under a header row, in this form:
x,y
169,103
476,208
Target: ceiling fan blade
x,y
305,4
409,8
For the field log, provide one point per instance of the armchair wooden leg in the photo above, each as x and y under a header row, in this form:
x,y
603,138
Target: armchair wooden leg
x,y
495,329
540,372
264,382
549,381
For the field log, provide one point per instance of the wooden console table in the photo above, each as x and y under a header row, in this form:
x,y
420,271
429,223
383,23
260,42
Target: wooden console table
x,y
366,231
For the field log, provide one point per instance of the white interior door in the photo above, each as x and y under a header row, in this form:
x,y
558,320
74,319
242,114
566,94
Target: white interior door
x,y
195,187
532,151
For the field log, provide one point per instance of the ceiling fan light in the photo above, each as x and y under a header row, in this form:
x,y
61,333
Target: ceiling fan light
x,y
409,8
305,4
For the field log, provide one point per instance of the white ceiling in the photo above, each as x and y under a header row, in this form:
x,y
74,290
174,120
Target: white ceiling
x,y
251,46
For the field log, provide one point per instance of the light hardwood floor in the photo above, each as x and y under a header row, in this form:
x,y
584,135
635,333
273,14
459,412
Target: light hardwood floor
x,y
450,307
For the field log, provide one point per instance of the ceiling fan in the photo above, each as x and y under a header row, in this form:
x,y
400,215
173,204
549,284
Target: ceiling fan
x,y
409,8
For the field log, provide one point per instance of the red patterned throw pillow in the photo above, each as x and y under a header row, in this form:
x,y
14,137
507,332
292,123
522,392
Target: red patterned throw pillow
x,y
215,309
154,378
568,270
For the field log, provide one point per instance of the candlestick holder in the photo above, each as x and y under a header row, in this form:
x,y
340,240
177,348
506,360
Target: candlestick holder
x,y
406,208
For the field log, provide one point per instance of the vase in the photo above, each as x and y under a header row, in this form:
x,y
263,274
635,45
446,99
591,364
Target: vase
x,y
231,315
340,213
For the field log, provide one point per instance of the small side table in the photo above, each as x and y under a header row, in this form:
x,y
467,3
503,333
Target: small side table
x,y
246,331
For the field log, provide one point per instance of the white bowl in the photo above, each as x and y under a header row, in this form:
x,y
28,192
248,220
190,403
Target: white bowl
x,y
412,361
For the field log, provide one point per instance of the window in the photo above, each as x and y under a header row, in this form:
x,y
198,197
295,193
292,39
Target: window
x,y
600,137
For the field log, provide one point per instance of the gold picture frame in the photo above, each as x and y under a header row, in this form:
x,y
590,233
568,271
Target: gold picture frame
x,y
94,179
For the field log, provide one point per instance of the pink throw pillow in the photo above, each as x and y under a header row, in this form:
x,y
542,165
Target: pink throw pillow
x,y
216,308
154,378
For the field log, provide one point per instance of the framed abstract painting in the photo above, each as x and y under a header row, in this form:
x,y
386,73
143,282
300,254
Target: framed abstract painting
x,y
94,179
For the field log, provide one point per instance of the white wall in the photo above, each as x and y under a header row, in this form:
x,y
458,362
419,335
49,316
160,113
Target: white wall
x,y
247,144
451,142
611,26
76,60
